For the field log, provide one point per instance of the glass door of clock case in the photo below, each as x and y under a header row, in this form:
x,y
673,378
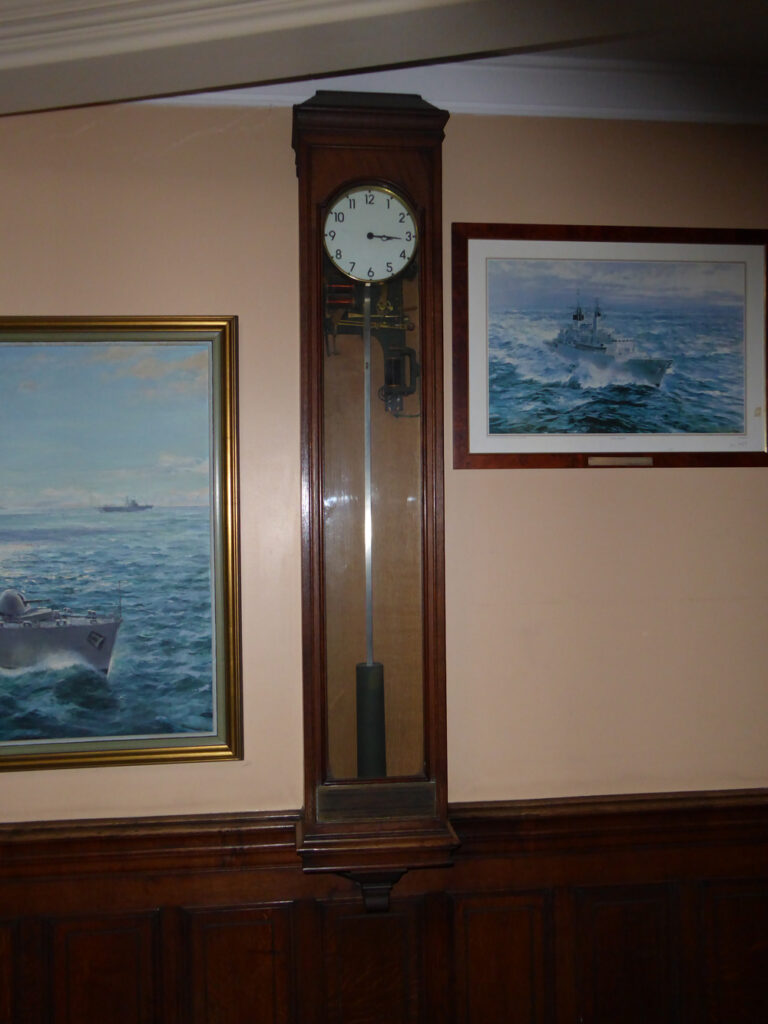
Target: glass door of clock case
x,y
372,520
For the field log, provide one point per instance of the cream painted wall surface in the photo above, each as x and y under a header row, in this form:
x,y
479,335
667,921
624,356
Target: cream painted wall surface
x,y
131,210
605,628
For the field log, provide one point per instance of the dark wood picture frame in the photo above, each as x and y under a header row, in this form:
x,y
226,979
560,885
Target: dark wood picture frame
x,y
536,257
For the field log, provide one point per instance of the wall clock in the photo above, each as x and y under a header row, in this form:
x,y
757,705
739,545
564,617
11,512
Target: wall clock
x,y
369,168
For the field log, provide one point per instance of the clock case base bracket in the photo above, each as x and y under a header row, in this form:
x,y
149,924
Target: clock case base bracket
x,y
394,846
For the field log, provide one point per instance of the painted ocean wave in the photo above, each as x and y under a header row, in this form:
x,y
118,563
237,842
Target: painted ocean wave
x,y
156,567
533,389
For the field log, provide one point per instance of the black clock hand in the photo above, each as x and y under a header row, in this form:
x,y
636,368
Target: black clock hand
x,y
384,238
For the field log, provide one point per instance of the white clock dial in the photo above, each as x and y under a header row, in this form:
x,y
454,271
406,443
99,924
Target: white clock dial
x,y
370,233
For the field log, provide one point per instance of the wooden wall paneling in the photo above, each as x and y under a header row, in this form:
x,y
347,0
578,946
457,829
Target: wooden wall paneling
x,y
373,964
565,993
439,958
31,972
689,953
307,977
9,959
626,955
647,910
504,966
238,965
104,967
173,967
734,954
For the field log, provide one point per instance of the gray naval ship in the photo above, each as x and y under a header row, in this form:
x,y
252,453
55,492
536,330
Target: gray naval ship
x,y
129,505
583,341
29,635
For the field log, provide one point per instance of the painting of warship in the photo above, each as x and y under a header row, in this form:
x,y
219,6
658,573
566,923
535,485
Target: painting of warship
x,y
116,617
584,341
31,634
129,505
578,345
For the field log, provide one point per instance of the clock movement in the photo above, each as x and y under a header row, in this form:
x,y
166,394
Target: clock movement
x,y
369,169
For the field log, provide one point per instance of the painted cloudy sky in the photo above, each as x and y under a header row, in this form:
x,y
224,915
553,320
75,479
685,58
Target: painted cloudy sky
x,y
544,284
92,423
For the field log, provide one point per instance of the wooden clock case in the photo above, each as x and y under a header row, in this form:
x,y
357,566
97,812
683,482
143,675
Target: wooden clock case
x,y
372,829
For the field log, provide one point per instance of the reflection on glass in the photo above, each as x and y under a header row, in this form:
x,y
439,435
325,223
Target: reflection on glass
x,y
372,526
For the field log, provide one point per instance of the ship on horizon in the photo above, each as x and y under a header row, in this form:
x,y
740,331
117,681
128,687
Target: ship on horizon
x,y
129,505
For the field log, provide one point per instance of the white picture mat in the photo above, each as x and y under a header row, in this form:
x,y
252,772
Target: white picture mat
x,y
480,251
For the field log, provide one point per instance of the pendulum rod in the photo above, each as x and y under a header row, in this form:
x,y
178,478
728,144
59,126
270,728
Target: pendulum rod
x,y
368,522
371,730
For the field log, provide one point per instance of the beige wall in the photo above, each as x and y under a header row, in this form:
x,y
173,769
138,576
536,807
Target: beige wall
x,y
606,630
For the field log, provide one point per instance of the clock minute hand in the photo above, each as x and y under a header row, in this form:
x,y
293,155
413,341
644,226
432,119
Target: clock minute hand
x,y
384,238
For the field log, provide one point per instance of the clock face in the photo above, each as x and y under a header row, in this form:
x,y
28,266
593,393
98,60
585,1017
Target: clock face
x,y
370,233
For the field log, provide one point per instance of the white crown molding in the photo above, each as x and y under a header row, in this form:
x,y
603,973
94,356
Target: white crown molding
x,y
542,86
60,53
40,31
101,51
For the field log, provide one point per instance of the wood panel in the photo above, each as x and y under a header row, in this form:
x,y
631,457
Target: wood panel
x,y
238,965
625,955
104,968
373,965
503,958
734,931
8,961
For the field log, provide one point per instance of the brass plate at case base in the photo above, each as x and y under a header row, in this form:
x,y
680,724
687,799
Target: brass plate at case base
x,y
619,460
356,802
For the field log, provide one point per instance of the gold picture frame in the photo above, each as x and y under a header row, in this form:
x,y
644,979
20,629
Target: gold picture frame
x,y
120,636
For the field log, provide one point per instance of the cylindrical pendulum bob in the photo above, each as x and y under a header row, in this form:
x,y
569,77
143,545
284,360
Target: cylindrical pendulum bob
x,y
371,732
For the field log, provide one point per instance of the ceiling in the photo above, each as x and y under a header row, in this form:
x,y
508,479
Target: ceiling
x,y
612,58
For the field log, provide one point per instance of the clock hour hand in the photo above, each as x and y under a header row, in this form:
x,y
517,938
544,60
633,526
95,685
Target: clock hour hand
x,y
384,238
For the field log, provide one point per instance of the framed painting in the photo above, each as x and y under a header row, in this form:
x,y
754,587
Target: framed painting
x,y
119,558
608,346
